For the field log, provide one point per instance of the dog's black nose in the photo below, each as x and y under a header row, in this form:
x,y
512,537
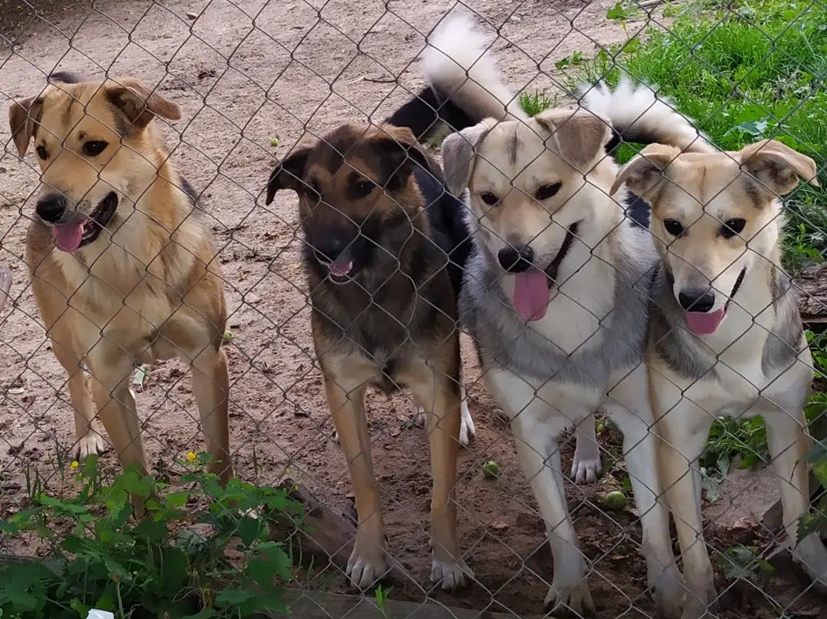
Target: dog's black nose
x,y
696,299
51,208
328,250
516,259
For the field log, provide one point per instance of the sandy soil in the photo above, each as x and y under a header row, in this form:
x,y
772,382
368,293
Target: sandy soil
x,y
243,72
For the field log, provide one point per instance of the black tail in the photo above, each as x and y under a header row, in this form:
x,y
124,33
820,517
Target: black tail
x,y
424,113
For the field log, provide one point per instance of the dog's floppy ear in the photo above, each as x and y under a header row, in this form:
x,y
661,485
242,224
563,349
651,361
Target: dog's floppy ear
x,y
459,155
778,166
578,137
288,174
22,114
645,171
139,103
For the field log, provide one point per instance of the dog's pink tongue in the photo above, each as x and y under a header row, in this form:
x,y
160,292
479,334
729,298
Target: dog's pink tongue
x,y
68,236
704,323
531,294
341,267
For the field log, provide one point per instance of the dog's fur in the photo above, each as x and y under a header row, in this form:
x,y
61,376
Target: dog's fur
x,y
754,361
147,287
539,191
385,246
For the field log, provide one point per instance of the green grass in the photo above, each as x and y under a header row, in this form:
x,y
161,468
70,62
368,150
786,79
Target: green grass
x,y
743,71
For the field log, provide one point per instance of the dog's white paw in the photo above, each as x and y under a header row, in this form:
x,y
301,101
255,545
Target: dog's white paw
x,y
701,598
365,569
90,444
451,575
586,470
467,431
812,555
575,599
668,590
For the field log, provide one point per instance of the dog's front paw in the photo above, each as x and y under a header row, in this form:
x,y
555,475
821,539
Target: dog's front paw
x,y
467,430
365,569
575,599
90,444
701,598
586,470
812,555
451,575
668,590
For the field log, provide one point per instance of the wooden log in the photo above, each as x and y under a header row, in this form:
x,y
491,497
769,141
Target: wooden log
x,y
327,538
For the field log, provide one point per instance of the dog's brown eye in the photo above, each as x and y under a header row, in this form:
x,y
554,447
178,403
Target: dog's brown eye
x,y
42,153
673,227
547,191
93,148
489,198
362,189
732,227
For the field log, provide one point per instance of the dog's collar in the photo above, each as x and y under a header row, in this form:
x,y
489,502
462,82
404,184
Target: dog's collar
x,y
551,269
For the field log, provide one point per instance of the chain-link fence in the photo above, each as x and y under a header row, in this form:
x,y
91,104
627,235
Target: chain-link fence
x,y
117,263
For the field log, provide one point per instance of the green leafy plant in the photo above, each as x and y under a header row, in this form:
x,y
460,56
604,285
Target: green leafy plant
x,y
574,59
201,552
382,598
742,563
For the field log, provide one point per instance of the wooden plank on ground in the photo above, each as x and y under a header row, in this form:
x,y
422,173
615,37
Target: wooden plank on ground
x,y
318,605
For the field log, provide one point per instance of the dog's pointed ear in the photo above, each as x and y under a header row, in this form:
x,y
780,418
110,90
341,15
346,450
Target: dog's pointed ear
x,y
288,174
576,136
645,171
139,103
778,166
22,114
459,155
401,147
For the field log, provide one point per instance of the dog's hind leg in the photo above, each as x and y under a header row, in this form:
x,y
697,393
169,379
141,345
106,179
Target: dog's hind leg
x,y
788,444
586,465
59,327
345,380
211,386
438,394
629,406
467,429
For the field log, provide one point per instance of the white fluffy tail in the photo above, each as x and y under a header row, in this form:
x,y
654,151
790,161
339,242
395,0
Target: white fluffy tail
x,y
457,66
640,116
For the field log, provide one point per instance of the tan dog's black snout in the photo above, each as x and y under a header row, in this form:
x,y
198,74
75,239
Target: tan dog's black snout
x,y
51,207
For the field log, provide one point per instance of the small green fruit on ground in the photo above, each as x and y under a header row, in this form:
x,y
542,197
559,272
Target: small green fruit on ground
x,y
491,469
616,501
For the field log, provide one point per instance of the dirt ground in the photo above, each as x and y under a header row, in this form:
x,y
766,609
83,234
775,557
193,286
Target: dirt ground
x,y
243,72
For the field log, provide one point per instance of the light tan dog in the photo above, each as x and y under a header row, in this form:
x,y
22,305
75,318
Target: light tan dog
x,y
725,334
122,269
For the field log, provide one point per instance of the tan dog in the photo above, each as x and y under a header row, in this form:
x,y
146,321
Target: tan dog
x,y
122,270
725,334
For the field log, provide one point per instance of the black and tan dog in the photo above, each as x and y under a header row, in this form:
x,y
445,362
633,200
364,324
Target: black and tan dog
x,y
122,271
385,244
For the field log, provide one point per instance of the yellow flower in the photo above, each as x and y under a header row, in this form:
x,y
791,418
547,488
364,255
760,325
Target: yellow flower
x,y
191,456
75,464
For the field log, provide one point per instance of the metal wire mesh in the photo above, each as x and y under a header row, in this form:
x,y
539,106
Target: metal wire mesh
x,y
252,79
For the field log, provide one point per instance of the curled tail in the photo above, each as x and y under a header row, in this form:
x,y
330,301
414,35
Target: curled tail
x,y
464,84
638,115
